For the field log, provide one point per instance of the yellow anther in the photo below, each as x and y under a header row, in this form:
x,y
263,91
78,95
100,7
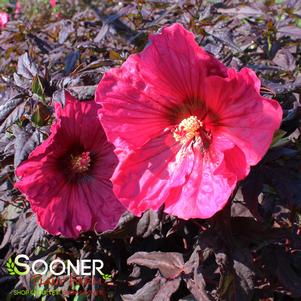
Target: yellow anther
x,y
188,129
81,163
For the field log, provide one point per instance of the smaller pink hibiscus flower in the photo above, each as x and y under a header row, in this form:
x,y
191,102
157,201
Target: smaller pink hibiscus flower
x,y
18,9
186,128
52,3
66,179
4,17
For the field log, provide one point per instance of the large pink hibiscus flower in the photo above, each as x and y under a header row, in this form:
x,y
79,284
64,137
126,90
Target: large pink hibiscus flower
x,y
185,127
67,178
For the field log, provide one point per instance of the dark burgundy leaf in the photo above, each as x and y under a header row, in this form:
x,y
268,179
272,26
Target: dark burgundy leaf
x,y
166,290
70,61
125,227
7,107
66,29
158,289
26,67
285,59
169,264
13,116
27,233
197,288
82,92
248,230
287,182
21,81
146,293
194,280
241,11
251,188
292,31
7,237
102,33
25,143
59,96
288,275
147,224
244,274
226,38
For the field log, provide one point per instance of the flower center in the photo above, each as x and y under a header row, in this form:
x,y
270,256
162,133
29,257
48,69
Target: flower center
x,y
81,163
188,129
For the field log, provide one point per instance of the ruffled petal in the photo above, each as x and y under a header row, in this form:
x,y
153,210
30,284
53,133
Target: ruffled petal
x,y
190,184
68,212
241,114
206,191
146,88
141,180
106,209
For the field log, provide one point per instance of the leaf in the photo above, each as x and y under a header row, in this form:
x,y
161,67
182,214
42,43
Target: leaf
x,y
195,281
59,96
26,67
7,107
277,137
244,274
247,231
66,29
27,233
167,289
102,33
226,38
13,116
287,183
156,290
291,31
37,86
241,11
70,61
146,293
287,273
40,115
285,60
147,223
251,189
20,81
170,264
82,92
197,288
24,144
6,237
113,55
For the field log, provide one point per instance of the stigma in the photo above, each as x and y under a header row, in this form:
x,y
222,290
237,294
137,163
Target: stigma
x,y
189,129
81,163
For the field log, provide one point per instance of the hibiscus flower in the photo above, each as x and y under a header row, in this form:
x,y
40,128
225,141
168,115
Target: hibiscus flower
x,y
66,179
185,127
4,18
52,3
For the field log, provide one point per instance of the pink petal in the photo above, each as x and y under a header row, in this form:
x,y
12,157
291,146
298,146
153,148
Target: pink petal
x,y
205,191
106,209
241,114
141,180
144,90
4,18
